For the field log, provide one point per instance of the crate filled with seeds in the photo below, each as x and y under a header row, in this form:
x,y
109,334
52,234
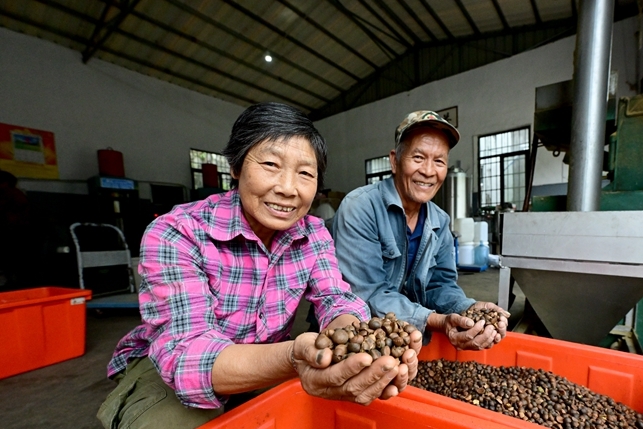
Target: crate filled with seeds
x,y
288,406
528,382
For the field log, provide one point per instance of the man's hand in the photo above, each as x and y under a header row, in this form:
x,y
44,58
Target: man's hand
x,y
502,323
463,333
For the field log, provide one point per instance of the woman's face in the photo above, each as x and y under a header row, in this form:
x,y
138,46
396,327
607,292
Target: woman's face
x,y
277,185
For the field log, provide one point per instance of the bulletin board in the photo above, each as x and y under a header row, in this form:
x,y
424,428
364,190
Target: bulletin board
x,y
28,152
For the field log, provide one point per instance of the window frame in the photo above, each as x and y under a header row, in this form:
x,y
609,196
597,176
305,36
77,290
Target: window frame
x,y
222,174
501,159
378,174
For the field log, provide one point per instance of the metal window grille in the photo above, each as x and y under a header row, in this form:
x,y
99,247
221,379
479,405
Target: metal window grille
x,y
377,169
200,157
503,167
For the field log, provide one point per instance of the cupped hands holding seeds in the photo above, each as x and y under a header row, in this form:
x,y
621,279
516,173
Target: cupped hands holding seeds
x,y
378,337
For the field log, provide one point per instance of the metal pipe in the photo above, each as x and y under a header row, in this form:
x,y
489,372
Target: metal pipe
x,y
591,78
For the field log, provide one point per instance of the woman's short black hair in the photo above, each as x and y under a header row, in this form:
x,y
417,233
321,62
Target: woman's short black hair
x,y
272,122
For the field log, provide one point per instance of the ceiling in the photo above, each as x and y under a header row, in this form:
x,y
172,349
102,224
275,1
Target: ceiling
x,y
328,56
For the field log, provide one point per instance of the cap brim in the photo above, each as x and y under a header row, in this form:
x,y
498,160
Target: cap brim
x,y
452,133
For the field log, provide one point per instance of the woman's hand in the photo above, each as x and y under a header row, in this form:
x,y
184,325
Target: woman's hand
x,y
359,378
410,360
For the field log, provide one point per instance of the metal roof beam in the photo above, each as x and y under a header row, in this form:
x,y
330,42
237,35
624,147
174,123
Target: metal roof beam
x,y
250,42
470,20
82,41
534,8
321,28
390,52
291,39
539,34
125,7
382,45
210,68
391,14
437,19
440,63
419,22
224,54
172,53
98,27
501,15
357,95
396,35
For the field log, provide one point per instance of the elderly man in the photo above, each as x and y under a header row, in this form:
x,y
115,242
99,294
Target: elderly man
x,y
394,245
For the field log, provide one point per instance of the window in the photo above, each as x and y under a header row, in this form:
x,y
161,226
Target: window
x,y
199,157
377,169
503,167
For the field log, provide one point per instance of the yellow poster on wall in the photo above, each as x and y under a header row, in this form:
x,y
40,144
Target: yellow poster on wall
x,y
28,152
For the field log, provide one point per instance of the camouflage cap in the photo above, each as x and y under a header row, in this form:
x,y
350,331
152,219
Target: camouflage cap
x,y
430,119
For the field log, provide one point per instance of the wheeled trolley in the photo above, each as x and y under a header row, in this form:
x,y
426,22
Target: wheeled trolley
x,y
104,265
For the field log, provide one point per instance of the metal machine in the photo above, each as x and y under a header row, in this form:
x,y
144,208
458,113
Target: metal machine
x,y
582,269
623,160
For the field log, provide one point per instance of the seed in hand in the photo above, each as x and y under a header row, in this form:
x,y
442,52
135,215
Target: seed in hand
x,y
490,317
378,337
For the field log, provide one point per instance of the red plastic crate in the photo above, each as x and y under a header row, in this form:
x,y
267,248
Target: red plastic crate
x,y
40,327
608,372
287,406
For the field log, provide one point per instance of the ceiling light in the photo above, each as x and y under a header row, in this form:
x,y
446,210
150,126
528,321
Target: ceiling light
x,y
268,58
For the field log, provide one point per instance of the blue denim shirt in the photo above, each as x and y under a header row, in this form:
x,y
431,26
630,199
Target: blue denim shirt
x,y
369,230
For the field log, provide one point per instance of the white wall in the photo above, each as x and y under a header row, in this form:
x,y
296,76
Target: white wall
x,y
493,98
96,105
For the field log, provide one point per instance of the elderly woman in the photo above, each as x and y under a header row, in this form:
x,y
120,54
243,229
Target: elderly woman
x,y
222,279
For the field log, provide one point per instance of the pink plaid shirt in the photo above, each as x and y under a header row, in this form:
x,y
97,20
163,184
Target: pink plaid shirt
x,y
207,282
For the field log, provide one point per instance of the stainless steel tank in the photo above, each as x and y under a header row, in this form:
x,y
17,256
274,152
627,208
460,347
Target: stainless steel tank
x,y
456,194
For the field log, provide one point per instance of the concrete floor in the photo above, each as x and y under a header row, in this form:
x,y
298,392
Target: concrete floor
x,y
68,394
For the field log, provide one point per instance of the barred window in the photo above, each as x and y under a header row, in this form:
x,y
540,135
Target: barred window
x,y
503,167
377,169
200,157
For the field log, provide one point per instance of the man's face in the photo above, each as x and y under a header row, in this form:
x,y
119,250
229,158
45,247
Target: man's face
x,y
422,167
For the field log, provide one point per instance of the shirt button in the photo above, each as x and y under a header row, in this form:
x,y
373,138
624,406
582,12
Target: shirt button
x,y
261,315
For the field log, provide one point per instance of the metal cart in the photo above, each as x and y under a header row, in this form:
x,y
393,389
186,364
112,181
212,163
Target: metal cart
x,y
104,265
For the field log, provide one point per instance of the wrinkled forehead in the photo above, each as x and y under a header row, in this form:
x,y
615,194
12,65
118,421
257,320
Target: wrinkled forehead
x,y
295,147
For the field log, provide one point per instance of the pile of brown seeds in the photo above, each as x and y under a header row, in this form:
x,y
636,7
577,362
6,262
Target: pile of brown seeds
x,y
490,317
377,337
532,395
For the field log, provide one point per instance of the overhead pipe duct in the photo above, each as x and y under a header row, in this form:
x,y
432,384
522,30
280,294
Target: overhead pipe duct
x,y
591,79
